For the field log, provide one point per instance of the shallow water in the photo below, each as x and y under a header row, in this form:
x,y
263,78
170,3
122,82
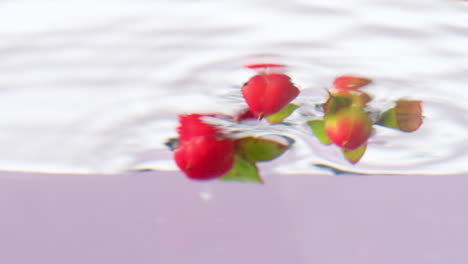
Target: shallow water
x,y
89,88
99,92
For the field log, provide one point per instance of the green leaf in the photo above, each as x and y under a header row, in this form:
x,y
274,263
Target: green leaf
x,y
354,155
243,171
388,119
318,128
282,114
259,149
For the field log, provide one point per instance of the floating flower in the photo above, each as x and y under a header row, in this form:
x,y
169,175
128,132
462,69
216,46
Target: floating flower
x,y
203,152
349,128
269,93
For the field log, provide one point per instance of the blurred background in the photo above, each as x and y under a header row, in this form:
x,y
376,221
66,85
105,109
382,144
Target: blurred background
x,y
89,91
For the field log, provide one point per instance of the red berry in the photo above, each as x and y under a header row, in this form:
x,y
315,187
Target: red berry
x,y
205,157
349,128
347,83
268,93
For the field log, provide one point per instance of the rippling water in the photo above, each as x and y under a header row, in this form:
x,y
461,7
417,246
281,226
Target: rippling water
x,y
96,88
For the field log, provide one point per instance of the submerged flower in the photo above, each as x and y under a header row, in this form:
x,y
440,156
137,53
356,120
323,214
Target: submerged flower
x,y
349,128
203,152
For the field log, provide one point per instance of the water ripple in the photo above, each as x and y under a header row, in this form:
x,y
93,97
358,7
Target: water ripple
x,y
101,93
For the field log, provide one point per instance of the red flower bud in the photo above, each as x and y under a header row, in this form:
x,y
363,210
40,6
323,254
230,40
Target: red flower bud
x,y
268,93
340,99
205,157
349,128
350,82
203,152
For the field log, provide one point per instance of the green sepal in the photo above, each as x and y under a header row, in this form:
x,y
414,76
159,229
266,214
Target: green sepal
x,y
354,155
258,149
335,103
318,129
282,114
243,170
388,119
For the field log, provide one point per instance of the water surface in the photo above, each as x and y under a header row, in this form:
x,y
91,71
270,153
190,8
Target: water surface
x,y
99,92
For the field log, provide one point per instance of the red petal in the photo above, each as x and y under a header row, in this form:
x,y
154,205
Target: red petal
x,y
205,157
192,126
350,82
264,65
409,115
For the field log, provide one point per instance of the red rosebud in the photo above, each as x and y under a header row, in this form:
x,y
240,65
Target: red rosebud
x,y
349,128
340,99
268,93
350,82
205,157
203,152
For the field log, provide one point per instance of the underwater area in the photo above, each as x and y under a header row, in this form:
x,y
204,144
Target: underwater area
x,y
90,99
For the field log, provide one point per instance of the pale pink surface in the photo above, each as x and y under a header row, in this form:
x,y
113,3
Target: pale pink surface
x,y
161,218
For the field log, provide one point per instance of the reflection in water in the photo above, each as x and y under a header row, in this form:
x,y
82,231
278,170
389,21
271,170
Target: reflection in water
x,y
204,151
